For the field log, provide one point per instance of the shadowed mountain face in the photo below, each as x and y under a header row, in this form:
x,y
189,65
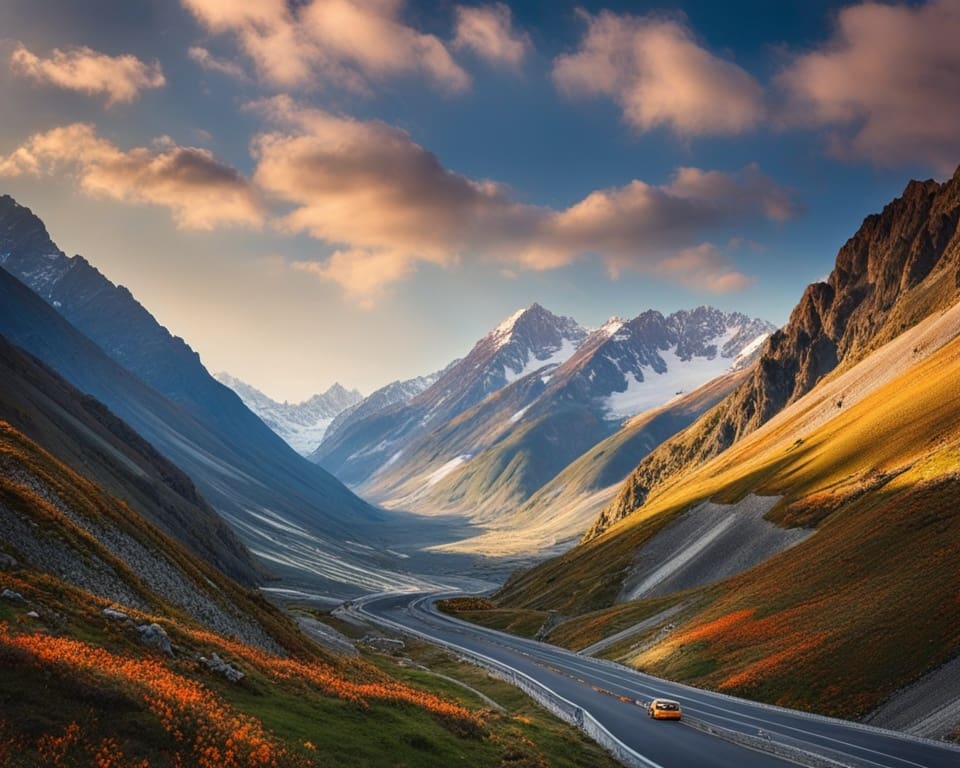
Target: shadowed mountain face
x,y
274,498
82,433
111,317
901,266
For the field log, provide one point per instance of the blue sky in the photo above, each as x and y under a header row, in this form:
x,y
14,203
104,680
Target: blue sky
x,y
337,190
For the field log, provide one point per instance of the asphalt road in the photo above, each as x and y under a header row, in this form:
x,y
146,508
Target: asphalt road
x,y
597,687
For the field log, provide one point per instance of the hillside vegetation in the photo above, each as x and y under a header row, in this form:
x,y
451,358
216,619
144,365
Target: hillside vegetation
x,y
83,577
838,622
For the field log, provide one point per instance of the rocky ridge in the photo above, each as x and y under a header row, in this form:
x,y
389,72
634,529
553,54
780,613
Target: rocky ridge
x,y
902,265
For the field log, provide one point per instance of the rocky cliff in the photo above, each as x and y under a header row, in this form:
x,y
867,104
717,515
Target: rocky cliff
x,y
902,265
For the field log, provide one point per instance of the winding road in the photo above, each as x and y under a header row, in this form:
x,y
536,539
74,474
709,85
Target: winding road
x,y
717,730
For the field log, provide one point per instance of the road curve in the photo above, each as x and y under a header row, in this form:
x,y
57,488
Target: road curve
x,y
607,691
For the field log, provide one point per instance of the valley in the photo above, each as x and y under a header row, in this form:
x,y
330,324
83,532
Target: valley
x,y
397,384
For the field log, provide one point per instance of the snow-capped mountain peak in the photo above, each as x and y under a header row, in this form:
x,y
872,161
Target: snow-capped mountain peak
x,y
301,425
526,341
652,358
503,333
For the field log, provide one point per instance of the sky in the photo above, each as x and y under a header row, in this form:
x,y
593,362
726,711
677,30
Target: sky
x,y
355,191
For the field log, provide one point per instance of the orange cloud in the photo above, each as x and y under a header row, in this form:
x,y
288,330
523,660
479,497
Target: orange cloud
x,y
660,76
200,192
349,43
886,82
119,78
387,204
488,31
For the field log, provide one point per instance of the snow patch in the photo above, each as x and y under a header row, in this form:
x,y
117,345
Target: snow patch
x,y
503,333
437,475
681,376
561,355
518,415
748,350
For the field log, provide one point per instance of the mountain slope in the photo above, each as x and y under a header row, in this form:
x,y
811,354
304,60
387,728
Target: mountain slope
x,y
111,317
877,481
301,425
900,266
83,434
492,458
311,544
527,340
394,393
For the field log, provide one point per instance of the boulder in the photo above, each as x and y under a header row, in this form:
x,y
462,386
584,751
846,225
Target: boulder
x,y
154,634
9,594
383,644
112,613
218,665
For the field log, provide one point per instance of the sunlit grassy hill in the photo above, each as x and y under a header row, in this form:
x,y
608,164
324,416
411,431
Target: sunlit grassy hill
x,y
871,460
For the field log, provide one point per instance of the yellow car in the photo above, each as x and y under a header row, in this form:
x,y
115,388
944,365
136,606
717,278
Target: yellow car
x,y
663,709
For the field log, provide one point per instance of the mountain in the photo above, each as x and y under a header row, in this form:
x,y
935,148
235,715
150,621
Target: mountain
x,y
897,269
83,434
528,340
291,513
813,562
555,516
301,425
394,393
118,647
491,459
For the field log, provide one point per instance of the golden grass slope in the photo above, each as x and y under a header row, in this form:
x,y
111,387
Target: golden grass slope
x,y
870,602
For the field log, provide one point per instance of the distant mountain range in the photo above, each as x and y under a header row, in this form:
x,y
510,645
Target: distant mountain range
x,y
394,393
301,425
532,396
526,341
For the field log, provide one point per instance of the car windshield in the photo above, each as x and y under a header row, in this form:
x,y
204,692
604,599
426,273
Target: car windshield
x,y
667,705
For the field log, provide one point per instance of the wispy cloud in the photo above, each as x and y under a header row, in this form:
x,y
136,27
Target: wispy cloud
x,y
119,78
659,74
488,31
347,43
387,204
885,84
208,61
199,191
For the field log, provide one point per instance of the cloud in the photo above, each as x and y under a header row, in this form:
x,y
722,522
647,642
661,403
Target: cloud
x,y
346,43
199,191
119,78
363,275
488,31
886,83
387,204
660,76
704,267
208,61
